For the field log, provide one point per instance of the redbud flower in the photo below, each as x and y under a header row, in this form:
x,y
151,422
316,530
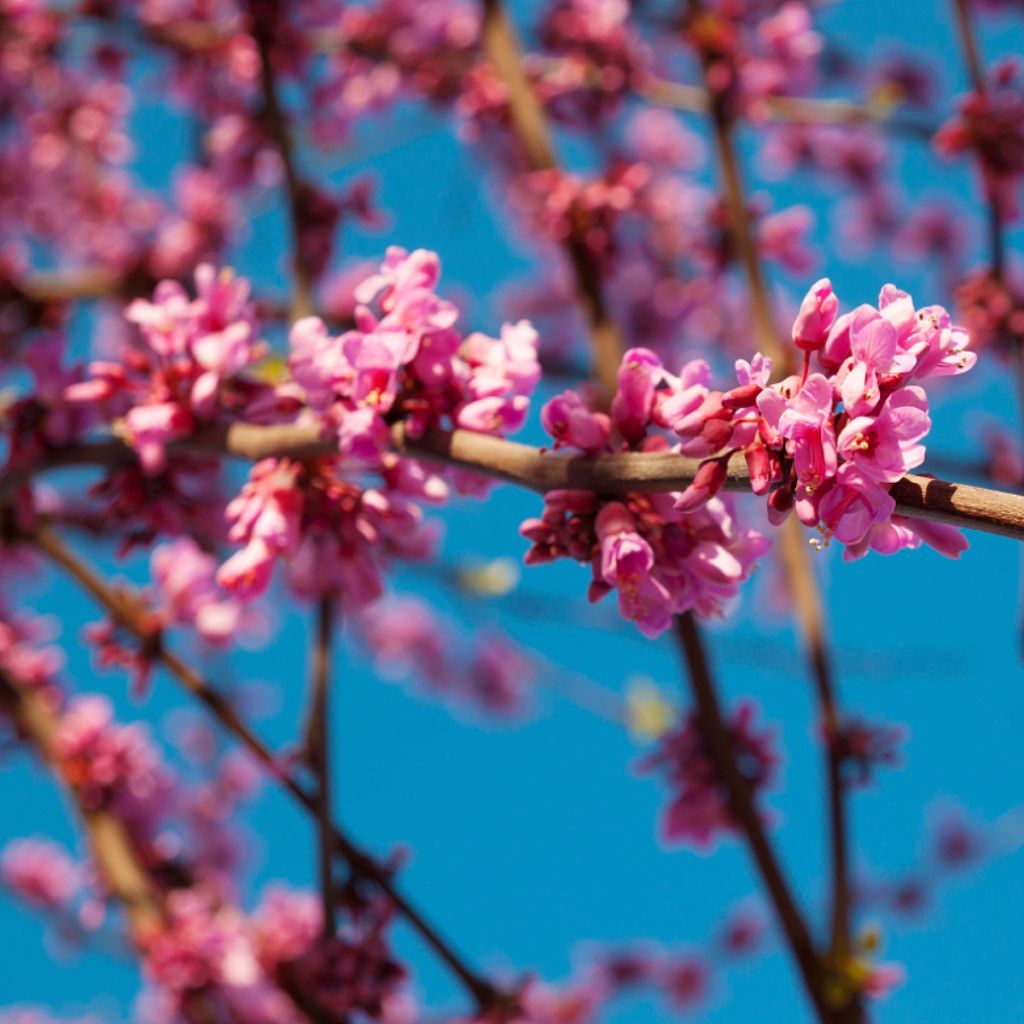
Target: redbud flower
x,y
568,420
40,872
699,808
817,314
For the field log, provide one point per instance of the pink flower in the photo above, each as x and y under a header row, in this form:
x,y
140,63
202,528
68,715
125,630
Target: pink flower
x,y
40,872
626,563
185,577
405,636
885,447
686,979
854,505
152,427
699,807
807,422
816,316
499,677
633,404
873,348
568,420
247,572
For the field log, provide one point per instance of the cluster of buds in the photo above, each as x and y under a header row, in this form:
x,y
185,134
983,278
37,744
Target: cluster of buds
x,y
830,444
183,367
409,364
662,553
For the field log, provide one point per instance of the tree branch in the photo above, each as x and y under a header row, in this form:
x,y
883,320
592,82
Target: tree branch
x,y
318,752
918,497
276,122
788,109
128,612
741,803
529,122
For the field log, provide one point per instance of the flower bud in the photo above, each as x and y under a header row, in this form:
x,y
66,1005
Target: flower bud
x,y
816,316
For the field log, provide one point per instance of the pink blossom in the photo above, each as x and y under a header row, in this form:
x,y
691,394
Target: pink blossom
x,y
40,872
817,314
185,578
885,447
568,420
699,808
499,677
807,422
405,636
626,563
854,505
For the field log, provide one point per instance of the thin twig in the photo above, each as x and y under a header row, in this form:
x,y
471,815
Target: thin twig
x,y
128,613
318,752
530,124
804,110
741,803
276,122
807,601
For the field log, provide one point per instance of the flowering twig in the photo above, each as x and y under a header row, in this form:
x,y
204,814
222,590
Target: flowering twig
x,y
997,239
128,613
741,804
919,497
976,73
800,574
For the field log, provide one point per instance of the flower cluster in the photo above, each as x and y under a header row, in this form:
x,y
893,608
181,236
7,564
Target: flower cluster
x,y
182,368
565,205
41,873
663,553
409,364
830,444
406,364
332,532
991,123
699,809
184,578
113,767
752,57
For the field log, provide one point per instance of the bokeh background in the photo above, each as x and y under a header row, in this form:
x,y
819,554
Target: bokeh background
x,y
531,840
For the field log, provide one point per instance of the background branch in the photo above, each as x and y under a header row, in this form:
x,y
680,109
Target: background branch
x,y
128,612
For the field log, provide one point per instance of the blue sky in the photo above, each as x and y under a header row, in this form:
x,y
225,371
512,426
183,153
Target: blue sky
x,y
530,841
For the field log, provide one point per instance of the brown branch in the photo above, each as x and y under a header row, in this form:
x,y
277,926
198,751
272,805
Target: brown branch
x,y
807,601
969,43
976,73
128,612
741,803
318,752
276,122
530,125
917,497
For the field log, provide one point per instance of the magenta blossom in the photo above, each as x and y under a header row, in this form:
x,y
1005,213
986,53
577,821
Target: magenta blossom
x,y
568,420
626,563
886,447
